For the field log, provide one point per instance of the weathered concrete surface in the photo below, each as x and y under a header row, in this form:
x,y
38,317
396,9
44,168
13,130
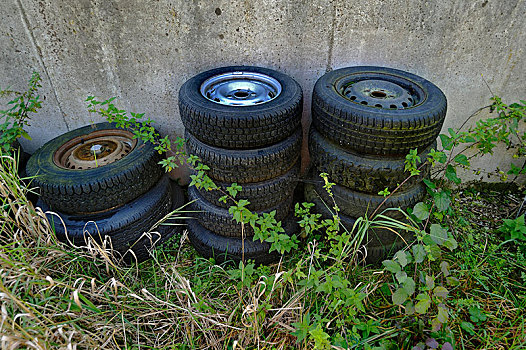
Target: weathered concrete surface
x,y
143,51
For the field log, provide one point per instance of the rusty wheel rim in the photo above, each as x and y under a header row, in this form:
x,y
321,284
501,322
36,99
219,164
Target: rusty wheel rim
x,y
94,150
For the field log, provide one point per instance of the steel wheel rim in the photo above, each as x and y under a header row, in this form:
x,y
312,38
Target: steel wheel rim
x,y
381,91
94,150
240,88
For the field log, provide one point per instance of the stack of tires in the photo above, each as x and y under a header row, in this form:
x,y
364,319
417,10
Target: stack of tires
x,y
99,181
244,123
365,120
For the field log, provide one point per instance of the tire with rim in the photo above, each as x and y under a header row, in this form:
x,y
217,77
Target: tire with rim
x,y
246,166
377,110
364,173
221,222
125,226
357,204
211,245
261,195
241,107
94,168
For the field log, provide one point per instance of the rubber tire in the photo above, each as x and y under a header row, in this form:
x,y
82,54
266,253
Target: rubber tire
x,y
246,127
372,130
174,225
124,225
261,195
98,189
375,255
246,166
21,156
368,174
357,204
210,245
376,237
221,222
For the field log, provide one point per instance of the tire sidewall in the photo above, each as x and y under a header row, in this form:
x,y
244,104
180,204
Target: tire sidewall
x,y
41,164
326,89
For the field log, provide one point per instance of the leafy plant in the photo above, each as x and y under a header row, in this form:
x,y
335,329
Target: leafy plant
x,y
17,116
265,226
514,229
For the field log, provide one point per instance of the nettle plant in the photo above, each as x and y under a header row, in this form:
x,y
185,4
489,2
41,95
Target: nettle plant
x,y
265,226
422,279
422,282
16,117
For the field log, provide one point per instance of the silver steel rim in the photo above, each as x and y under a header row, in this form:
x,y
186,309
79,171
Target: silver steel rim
x,y
380,94
241,88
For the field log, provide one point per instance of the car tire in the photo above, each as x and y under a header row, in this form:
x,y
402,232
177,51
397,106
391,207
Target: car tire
x,y
377,238
261,195
247,166
211,111
377,110
210,245
356,204
132,169
221,222
125,226
368,174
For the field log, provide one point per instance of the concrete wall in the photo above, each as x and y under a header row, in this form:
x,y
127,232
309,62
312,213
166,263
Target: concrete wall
x,y
142,51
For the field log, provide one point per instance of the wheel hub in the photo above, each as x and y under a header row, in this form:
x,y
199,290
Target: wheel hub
x,y
379,93
94,150
241,88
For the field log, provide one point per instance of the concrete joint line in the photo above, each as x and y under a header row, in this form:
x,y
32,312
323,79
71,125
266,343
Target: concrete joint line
x,y
38,54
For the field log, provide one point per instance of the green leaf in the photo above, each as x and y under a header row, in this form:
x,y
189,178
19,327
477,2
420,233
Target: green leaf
x,y
409,286
25,135
434,252
429,184
401,276
451,243
401,257
462,159
451,174
442,200
444,267
469,138
430,282
234,189
423,304
442,314
438,234
421,211
477,314
447,142
440,292
419,253
321,339
452,281
392,266
435,325
399,296
468,327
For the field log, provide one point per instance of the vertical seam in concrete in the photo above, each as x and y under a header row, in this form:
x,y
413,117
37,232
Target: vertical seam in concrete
x,y
109,59
29,32
328,68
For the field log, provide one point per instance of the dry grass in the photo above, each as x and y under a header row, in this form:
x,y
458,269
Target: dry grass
x,y
53,296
